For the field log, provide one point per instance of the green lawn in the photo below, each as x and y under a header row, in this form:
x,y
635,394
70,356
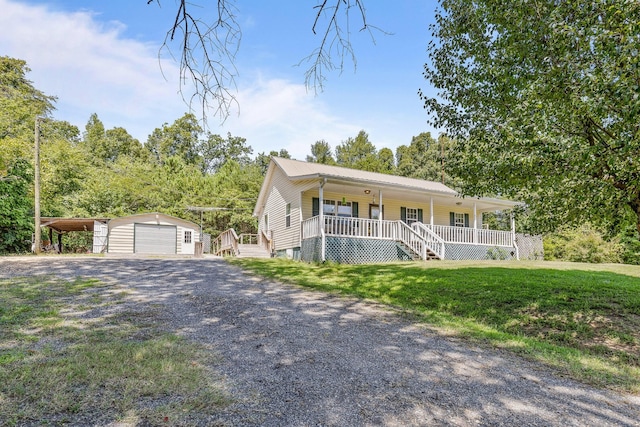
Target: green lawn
x,y
583,320
63,363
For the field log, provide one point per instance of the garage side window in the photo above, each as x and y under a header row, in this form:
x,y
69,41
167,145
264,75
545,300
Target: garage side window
x,y
187,236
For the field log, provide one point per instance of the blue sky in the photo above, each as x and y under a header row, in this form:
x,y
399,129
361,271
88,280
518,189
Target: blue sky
x,y
101,57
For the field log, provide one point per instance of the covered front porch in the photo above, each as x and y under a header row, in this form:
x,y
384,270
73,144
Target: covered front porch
x,y
417,241
370,222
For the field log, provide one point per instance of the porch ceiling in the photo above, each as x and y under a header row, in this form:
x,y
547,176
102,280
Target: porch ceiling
x,y
395,193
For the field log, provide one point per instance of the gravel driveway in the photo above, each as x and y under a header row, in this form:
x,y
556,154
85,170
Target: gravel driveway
x,y
294,357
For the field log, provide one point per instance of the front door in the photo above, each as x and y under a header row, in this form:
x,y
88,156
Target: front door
x,y
188,244
374,211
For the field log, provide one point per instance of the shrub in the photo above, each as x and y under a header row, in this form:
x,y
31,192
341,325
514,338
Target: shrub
x,y
582,244
630,241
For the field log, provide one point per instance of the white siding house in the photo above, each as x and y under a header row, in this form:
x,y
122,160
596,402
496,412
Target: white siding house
x,y
152,233
318,212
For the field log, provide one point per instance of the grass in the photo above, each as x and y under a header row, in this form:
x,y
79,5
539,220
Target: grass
x,y
66,357
583,320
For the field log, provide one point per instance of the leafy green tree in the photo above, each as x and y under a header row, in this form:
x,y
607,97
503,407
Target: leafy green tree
x,y
64,165
16,208
182,138
262,160
123,144
542,99
426,158
218,150
321,153
386,161
358,153
20,104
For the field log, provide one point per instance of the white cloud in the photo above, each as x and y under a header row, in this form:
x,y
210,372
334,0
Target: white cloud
x,y
278,114
92,67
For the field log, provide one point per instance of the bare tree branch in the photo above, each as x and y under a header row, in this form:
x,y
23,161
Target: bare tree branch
x,y
336,40
208,47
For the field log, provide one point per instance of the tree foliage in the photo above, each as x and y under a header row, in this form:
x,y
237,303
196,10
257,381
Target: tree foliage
x,y
321,152
16,208
542,99
358,153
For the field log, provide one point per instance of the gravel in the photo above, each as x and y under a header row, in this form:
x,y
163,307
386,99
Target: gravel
x,y
294,357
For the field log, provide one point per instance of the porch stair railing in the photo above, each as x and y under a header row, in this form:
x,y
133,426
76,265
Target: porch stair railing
x,y
421,243
245,245
226,243
433,242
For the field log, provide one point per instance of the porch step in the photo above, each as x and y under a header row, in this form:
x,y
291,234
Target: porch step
x,y
430,254
252,251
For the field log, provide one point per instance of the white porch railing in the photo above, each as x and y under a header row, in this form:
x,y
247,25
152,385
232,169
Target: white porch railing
x,y
435,235
434,242
472,235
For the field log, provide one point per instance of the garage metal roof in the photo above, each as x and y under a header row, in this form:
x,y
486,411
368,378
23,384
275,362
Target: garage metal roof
x,y
64,225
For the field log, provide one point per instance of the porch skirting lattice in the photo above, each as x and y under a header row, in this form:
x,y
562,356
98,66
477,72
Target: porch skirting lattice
x,y
459,251
530,247
348,250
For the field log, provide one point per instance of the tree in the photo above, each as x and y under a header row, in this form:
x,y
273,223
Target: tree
x,y
262,160
386,161
16,208
207,47
181,139
321,153
217,151
358,153
20,104
542,99
426,158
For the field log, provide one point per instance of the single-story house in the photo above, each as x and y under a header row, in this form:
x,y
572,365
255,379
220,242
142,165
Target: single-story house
x,y
318,212
152,233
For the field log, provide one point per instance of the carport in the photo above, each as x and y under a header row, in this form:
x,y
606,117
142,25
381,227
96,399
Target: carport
x,y
98,226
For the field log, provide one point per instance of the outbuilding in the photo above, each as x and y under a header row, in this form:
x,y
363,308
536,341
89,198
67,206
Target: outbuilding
x,y
152,233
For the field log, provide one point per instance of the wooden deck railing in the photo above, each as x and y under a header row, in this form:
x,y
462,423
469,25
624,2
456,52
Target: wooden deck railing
x,y
226,243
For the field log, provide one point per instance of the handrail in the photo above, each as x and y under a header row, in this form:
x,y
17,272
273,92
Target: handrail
x,y
434,242
411,239
472,236
266,240
226,243
248,239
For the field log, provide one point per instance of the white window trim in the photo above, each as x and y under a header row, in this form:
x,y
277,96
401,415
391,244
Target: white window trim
x,y
412,215
287,215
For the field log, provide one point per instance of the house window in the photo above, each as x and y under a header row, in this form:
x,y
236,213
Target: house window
x,y
187,237
412,215
329,207
459,219
345,209
287,215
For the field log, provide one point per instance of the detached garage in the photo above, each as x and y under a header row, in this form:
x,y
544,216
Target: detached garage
x,y
152,233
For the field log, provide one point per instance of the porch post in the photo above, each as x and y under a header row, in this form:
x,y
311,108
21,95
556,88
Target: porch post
x,y
475,223
381,214
323,242
431,209
513,234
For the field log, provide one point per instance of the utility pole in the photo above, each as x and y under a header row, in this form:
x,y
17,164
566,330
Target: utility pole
x,y
36,191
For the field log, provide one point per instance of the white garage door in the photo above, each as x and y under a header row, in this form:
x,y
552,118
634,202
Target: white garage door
x,y
155,239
